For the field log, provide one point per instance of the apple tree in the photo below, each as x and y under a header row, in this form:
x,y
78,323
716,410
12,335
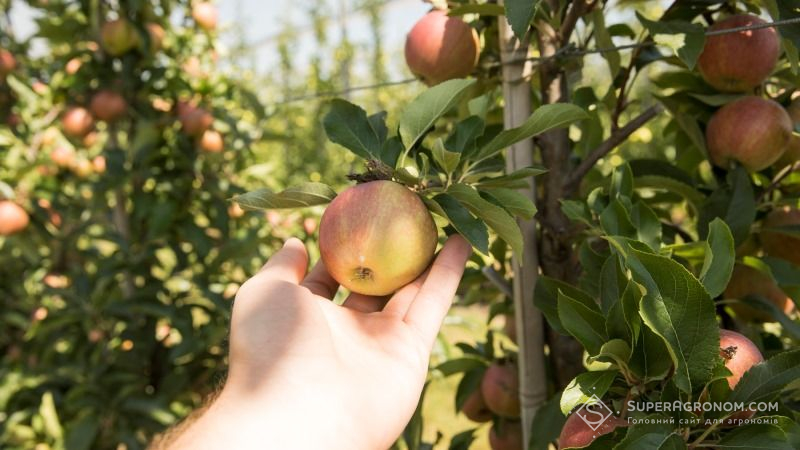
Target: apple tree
x,y
660,229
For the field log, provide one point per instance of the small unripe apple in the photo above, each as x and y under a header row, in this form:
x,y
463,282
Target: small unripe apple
x,y
376,237
108,106
475,408
7,62
440,48
778,244
751,131
205,15
506,436
746,281
211,141
77,122
576,433
118,37
13,218
738,62
82,168
500,389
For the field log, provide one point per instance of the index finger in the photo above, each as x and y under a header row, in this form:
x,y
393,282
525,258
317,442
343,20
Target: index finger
x,y
431,303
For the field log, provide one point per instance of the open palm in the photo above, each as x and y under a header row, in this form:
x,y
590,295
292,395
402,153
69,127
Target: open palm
x,y
349,375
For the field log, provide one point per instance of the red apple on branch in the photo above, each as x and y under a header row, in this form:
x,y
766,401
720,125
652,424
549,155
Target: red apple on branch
x,y
440,48
376,237
739,61
751,131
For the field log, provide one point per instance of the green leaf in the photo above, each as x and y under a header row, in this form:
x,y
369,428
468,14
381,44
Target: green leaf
x,y
761,436
483,9
548,423
687,38
347,125
49,415
446,160
519,14
496,217
765,381
82,433
512,201
420,115
301,196
462,364
582,320
648,360
648,436
734,203
545,118
546,295
603,40
616,221
615,351
621,182
719,258
473,230
647,224
465,135
613,283
508,180
584,386
682,313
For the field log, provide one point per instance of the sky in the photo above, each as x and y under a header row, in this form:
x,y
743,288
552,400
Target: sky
x,y
259,20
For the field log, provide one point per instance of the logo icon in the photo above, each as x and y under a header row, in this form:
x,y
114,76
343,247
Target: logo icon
x,y
594,412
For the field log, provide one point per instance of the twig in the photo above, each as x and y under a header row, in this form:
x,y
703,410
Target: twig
x,y
578,9
617,137
785,172
498,281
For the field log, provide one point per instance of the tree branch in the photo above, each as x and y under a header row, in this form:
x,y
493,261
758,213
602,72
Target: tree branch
x,y
576,10
617,137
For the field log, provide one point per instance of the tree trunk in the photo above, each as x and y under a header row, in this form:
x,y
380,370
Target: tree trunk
x,y
529,321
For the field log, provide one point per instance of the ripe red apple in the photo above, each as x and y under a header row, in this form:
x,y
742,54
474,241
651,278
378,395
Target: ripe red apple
x,y
475,408
63,156
508,436
751,130
13,218
73,66
740,354
7,62
500,389
577,434
309,225
235,211
118,37
205,15
440,48
99,164
77,122
746,281
738,62
108,105
194,119
778,244
211,141
376,237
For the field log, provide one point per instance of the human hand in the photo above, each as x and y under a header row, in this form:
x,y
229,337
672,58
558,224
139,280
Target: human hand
x,y
307,373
